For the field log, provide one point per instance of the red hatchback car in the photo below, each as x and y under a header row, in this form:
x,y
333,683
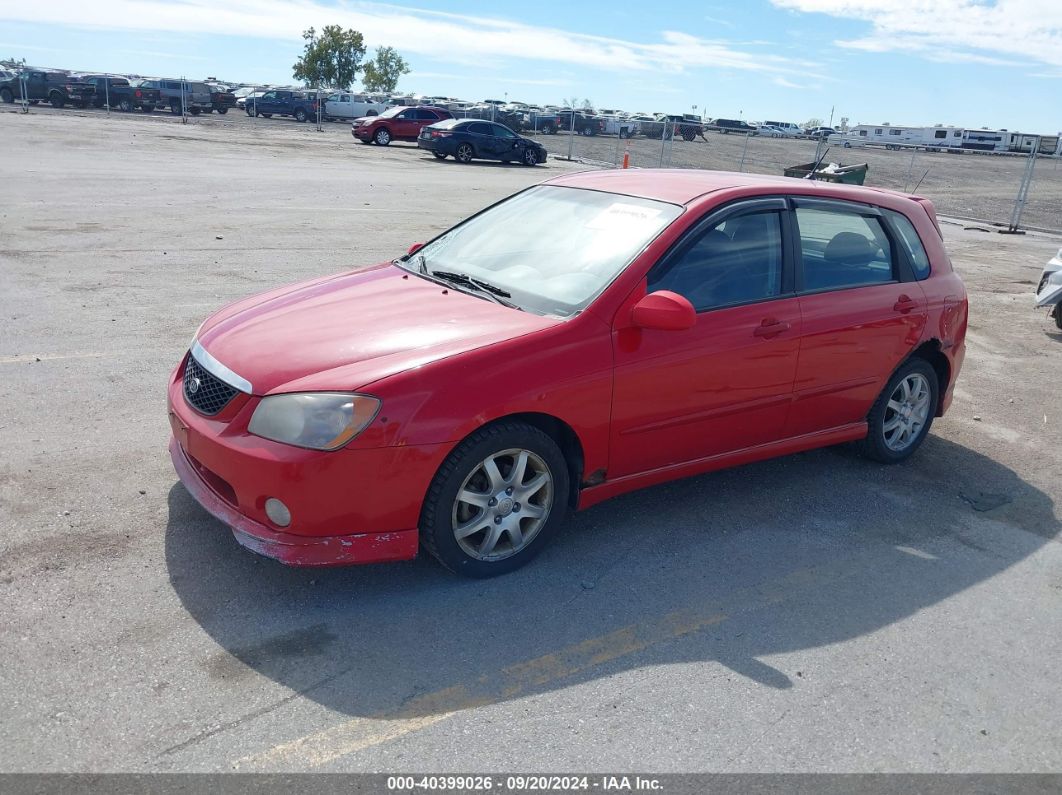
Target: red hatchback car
x,y
396,124
595,334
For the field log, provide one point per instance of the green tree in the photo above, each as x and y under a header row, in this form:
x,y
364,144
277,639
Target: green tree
x,y
13,63
383,72
812,122
331,59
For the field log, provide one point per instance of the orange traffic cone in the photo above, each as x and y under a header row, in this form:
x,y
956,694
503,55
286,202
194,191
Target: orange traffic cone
x,y
627,154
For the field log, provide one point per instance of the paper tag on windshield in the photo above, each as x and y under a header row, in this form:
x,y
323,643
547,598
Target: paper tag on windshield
x,y
619,215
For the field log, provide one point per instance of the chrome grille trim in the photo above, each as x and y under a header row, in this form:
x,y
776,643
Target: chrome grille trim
x,y
218,370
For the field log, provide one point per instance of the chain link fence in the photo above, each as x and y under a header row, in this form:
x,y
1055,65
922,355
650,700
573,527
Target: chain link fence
x,y
977,186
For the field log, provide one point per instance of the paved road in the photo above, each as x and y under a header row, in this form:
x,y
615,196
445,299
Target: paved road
x,y
814,613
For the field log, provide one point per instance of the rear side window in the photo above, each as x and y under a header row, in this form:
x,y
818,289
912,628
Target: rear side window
x,y
842,249
912,244
479,128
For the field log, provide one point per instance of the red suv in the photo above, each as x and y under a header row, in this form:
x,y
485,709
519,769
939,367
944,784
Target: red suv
x,y
396,124
466,396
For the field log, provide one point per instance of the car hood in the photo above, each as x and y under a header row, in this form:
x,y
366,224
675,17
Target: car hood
x,y
346,331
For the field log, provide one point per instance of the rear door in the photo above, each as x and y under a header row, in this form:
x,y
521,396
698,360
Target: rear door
x,y
862,312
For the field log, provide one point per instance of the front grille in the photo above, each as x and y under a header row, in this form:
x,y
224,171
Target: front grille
x,y
204,392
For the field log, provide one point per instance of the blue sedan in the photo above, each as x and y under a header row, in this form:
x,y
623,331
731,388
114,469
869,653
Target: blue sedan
x,y
469,139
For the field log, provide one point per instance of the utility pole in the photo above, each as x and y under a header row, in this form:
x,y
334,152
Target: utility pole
x,y
1023,191
831,114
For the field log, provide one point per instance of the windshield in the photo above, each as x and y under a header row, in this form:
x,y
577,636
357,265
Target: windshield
x,y
553,249
387,114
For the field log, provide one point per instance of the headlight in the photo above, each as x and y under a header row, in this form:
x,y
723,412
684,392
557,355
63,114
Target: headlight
x,y
317,420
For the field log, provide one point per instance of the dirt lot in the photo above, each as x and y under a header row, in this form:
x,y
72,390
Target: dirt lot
x,y
813,613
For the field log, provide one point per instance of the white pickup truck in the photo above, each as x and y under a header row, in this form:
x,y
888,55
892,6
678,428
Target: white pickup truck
x,y
351,106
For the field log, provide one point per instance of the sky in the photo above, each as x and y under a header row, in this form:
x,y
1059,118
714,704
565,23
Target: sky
x,y
969,63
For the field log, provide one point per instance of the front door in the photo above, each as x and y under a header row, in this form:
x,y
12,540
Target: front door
x,y
726,383
862,316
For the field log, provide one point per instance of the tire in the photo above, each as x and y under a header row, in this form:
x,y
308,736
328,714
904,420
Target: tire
x,y
223,111
588,131
1057,315
57,99
194,111
147,108
34,102
300,115
382,137
511,533
439,155
910,398
464,154
266,115
6,96
548,129
530,157
125,106
847,144
175,107
688,136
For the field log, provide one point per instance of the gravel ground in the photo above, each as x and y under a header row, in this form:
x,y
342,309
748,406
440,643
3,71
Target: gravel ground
x,y
812,613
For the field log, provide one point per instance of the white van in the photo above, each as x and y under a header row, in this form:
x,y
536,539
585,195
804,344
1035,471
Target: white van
x,y
791,130
351,106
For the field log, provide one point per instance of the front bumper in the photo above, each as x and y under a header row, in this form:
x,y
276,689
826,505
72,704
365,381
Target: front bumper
x,y
352,505
361,133
288,548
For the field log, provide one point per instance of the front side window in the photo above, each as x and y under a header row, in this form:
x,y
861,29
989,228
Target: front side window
x,y
842,249
502,132
554,249
911,242
736,261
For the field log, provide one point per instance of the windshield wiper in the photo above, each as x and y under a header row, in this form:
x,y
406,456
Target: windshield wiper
x,y
492,291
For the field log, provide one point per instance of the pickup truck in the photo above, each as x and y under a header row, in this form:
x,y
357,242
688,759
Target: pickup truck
x,y
726,126
279,102
58,88
120,94
221,99
351,106
585,123
195,96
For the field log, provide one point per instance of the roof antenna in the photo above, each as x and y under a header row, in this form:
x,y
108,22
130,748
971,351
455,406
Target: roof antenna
x,y
814,168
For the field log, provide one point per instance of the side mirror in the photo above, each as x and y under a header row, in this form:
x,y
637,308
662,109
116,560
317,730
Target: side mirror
x,y
664,311
415,248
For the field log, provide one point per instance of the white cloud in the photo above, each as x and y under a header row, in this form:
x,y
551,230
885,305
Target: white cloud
x,y
977,31
469,40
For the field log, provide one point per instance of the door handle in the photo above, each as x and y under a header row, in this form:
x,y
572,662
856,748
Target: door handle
x,y
770,328
905,304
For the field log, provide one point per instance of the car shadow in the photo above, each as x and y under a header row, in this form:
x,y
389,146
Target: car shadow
x,y
731,567
481,163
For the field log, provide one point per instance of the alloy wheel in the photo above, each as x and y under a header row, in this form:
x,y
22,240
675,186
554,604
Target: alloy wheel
x,y
502,505
907,412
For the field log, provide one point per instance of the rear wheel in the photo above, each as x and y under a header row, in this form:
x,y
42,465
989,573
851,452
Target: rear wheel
x,y
903,413
688,135
548,129
223,111
126,106
464,153
1057,315
194,111
382,137
147,108
300,115
175,107
496,500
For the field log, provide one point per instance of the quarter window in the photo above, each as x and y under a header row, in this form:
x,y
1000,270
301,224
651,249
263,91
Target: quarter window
x,y
737,261
842,249
911,243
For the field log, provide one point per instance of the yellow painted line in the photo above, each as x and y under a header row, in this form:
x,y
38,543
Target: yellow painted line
x,y
515,680
523,678
47,357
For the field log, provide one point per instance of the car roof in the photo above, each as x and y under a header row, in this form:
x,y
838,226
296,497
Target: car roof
x,y
683,186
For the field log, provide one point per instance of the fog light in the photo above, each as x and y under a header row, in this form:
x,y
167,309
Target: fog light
x,y
277,512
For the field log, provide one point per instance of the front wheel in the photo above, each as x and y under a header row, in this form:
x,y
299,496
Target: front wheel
x,y
903,413
300,115
223,111
6,96
1057,315
382,137
530,157
464,153
496,500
